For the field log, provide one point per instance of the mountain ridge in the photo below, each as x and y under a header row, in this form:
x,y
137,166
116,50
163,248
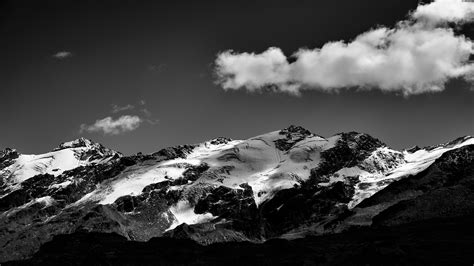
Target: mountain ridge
x,y
287,183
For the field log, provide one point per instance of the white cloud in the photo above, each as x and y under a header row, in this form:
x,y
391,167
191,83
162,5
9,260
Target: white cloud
x,y
109,126
117,108
417,56
62,55
441,11
253,71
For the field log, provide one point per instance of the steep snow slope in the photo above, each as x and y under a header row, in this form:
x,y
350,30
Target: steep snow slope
x,y
421,159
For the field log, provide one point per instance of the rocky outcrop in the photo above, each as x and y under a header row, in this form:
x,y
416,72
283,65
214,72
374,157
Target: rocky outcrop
x,y
7,157
174,152
293,134
351,149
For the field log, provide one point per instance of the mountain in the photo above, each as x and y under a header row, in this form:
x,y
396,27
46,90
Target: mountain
x,y
289,184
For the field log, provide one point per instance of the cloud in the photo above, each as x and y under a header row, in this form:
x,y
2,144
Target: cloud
x,y
109,126
117,108
441,11
418,55
62,55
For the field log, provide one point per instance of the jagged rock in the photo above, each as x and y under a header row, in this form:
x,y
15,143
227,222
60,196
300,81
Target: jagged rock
x,y
93,151
236,205
175,152
351,149
413,149
7,157
293,134
220,140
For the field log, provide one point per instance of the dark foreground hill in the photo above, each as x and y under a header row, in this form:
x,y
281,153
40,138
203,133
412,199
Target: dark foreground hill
x,y
433,242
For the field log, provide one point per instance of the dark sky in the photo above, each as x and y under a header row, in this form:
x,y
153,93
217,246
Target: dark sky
x,y
163,52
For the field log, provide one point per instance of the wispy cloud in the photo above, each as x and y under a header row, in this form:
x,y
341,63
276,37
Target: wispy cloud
x,y
149,117
62,55
110,126
157,68
418,55
146,112
118,108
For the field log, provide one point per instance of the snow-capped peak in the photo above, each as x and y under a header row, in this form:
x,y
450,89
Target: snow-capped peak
x,y
66,156
77,143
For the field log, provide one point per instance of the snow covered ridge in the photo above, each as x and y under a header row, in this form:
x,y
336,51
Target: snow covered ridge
x,y
268,163
69,155
273,162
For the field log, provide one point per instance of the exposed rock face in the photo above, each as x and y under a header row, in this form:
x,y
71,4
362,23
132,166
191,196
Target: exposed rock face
x,y
289,183
7,157
413,149
350,150
293,134
175,152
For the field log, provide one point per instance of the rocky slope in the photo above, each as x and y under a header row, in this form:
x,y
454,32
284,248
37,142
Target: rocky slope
x,y
284,184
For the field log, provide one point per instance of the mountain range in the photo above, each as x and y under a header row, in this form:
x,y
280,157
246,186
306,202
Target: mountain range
x,y
291,187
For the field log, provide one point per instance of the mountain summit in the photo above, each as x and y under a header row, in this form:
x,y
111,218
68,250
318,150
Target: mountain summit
x,y
288,184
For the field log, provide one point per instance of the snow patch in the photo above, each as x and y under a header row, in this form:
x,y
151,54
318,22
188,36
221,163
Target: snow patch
x,y
62,184
47,201
133,183
183,212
